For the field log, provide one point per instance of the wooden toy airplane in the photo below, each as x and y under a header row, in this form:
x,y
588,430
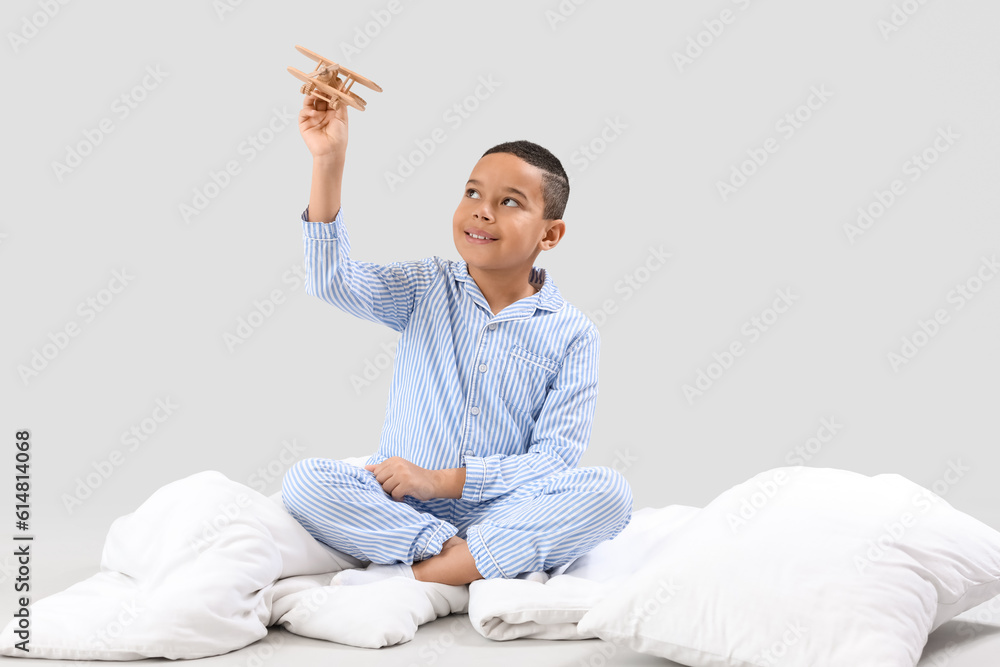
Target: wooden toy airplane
x,y
324,83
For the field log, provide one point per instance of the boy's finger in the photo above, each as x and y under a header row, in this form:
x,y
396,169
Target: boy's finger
x,y
340,113
311,102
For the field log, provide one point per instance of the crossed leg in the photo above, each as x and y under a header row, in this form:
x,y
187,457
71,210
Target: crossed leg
x,y
548,522
344,507
537,527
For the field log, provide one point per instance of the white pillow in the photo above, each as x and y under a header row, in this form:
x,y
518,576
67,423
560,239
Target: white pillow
x,y
806,566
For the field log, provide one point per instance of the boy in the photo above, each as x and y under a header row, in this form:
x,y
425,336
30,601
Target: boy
x,y
493,389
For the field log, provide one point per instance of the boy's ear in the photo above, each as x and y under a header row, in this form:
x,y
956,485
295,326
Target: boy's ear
x,y
554,232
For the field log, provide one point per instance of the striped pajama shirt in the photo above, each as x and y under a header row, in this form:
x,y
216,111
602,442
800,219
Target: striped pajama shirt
x,y
509,396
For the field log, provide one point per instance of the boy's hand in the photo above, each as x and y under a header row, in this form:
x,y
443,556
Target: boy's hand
x,y
399,478
324,131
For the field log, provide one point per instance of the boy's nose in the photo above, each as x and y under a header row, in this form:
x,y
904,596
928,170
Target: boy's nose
x,y
483,213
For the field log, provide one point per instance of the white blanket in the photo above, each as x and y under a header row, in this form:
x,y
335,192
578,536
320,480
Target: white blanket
x,y
206,564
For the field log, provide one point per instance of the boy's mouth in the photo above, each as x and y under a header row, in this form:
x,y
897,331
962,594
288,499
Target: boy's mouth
x,y
478,237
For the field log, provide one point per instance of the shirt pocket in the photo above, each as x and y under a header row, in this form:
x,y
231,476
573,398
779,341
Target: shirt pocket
x,y
526,378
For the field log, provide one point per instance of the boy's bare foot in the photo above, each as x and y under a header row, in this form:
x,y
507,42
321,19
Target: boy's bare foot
x,y
454,566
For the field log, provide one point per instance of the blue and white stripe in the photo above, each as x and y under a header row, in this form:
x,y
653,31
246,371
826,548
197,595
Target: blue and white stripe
x,y
509,396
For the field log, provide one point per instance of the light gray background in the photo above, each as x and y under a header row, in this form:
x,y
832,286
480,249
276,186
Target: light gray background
x,y
654,184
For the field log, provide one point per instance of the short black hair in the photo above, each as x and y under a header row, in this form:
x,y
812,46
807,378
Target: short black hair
x,y
555,183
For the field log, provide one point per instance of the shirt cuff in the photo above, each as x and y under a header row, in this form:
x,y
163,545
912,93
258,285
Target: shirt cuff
x,y
323,230
475,479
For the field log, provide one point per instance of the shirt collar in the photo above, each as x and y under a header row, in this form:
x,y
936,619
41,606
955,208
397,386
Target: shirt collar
x,y
547,298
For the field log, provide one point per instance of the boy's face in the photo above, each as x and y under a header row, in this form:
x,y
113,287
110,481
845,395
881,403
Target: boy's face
x,y
503,201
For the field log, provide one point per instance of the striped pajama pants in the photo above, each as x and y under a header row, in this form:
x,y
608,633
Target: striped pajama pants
x,y
537,527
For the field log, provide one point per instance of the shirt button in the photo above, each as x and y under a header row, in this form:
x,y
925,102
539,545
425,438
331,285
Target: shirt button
x,y
493,326
482,367
474,410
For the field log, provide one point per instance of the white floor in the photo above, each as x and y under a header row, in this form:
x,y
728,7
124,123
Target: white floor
x,y
970,640
451,641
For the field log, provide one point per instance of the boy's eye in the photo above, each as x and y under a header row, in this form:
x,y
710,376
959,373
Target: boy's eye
x,y
473,194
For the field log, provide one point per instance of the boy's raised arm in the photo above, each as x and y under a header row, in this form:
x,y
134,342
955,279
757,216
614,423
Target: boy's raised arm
x,y
383,293
325,134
